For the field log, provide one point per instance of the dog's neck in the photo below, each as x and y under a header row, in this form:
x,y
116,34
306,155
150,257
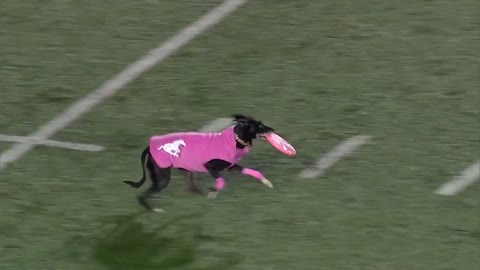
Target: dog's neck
x,y
241,143
240,139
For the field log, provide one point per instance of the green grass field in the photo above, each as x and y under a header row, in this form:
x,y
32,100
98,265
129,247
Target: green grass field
x,y
403,72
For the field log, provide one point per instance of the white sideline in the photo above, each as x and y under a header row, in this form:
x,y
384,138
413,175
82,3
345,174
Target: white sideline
x,y
67,145
331,158
131,72
457,184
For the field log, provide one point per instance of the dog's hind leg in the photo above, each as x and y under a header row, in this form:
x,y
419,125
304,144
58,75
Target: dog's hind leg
x,y
142,198
160,179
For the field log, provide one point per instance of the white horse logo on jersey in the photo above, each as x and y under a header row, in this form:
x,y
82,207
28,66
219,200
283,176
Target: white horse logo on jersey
x,y
173,148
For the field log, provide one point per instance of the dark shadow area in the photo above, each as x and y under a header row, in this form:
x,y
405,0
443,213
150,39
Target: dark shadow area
x,y
170,245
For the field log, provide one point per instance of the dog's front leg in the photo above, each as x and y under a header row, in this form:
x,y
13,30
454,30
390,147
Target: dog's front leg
x,y
192,186
253,173
214,167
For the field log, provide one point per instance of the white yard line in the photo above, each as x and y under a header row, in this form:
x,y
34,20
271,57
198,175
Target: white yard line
x,y
336,154
112,86
459,183
67,145
217,125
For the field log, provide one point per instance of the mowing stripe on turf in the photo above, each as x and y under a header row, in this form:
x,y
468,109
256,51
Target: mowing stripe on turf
x,y
336,154
459,183
131,72
67,145
217,125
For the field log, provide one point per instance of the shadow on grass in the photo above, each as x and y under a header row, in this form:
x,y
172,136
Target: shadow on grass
x,y
171,245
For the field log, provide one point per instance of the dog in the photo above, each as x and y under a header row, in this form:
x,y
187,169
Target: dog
x,y
201,152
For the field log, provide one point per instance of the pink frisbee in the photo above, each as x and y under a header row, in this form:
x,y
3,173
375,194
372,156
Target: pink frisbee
x,y
280,143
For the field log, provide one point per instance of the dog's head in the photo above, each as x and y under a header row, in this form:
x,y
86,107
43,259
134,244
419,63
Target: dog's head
x,y
247,128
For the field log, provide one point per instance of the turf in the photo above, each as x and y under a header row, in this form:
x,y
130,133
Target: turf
x,y
318,71
54,52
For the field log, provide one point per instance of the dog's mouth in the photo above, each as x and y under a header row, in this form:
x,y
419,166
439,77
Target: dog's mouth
x,y
262,135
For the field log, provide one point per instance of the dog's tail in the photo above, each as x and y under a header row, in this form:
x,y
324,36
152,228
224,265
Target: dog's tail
x,y
142,159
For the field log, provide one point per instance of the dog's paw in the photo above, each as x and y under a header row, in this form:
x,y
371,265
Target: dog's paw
x,y
212,193
267,183
158,210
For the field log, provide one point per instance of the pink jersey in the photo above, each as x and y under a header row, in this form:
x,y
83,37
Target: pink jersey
x,y
191,150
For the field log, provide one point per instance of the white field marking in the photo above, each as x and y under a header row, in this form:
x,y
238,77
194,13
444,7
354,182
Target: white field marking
x,y
217,125
36,141
331,158
131,72
67,145
457,184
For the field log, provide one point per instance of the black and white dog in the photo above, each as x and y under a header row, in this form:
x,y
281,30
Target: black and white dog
x,y
192,152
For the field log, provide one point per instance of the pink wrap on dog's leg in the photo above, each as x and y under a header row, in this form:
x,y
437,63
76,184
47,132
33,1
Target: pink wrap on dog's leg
x,y
220,183
253,173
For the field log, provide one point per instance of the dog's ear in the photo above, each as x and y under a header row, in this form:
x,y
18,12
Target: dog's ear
x,y
240,118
